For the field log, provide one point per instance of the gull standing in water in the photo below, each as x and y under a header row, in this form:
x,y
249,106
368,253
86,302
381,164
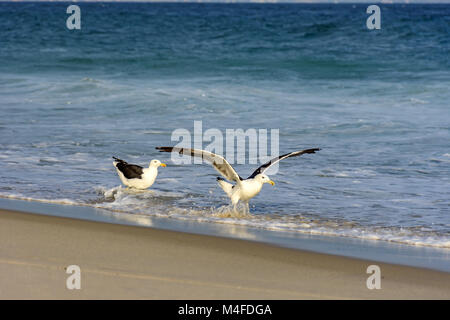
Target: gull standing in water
x,y
243,189
135,176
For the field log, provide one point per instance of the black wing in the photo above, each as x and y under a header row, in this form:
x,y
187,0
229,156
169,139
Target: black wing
x,y
267,165
130,171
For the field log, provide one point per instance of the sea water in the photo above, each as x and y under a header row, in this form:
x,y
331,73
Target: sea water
x,y
375,101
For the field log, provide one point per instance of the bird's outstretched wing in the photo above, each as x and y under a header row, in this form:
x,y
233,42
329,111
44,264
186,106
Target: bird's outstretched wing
x,y
130,171
267,165
218,162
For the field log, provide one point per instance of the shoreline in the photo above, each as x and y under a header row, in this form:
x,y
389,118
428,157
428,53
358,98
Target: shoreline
x,y
129,262
378,250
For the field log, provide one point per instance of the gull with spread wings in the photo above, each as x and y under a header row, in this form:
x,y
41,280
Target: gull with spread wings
x,y
244,189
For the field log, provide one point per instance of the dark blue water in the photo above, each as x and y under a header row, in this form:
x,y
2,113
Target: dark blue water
x,y
376,102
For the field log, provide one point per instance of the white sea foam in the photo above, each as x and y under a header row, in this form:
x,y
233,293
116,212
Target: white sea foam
x,y
55,201
355,173
418,101
140,206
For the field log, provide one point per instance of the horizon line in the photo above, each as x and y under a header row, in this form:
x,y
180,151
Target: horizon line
x,y
404,2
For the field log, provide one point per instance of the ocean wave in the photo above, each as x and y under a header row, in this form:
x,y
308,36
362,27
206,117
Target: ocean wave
x,y
147,203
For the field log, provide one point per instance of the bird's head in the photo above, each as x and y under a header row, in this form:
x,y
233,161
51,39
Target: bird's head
x,y
156,163
264,179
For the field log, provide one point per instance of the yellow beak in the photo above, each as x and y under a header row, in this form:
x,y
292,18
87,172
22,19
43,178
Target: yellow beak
x,y
163,165
271,182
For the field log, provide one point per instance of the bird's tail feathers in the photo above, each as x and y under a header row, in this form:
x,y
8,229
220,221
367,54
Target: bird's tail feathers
x,y
119,160
227,187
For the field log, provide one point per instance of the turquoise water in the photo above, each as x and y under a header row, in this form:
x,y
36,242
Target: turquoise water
x,y
376,102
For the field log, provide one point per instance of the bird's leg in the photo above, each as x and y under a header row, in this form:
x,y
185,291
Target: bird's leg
x,y
235,205
235,208
247,208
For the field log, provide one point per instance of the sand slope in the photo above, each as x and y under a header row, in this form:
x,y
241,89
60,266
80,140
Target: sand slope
x,y
142,263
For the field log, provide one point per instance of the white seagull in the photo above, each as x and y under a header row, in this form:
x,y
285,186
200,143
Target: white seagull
x,y
135,176
244,189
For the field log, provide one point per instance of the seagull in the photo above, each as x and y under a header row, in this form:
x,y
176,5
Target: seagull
x,y
243,189
135,176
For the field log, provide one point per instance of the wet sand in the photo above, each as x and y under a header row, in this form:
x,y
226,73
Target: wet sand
x,y
127,262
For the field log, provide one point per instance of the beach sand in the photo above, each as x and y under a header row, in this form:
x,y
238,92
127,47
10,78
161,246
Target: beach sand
x,y
127,262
